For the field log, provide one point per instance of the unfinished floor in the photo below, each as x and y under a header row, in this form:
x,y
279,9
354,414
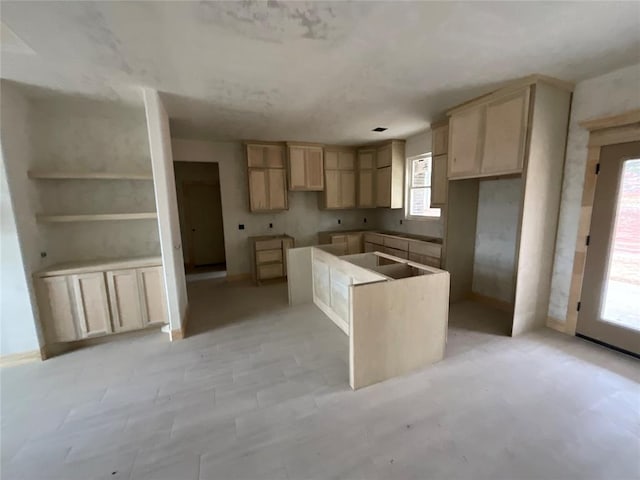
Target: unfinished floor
x,y
260,390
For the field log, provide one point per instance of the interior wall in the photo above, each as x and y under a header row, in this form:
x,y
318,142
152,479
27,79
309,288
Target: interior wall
x,y
496,237
303,220
76,135
609,94
191,171
394,220
167,208
19,257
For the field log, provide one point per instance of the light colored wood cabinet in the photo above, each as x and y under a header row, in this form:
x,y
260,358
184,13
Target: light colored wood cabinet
x,y
390,162
269,256
366,179
465,143
306,168
152,296
57,309
92,304
440,139
124,300
439,180
267,177
353,242
340,179
505,134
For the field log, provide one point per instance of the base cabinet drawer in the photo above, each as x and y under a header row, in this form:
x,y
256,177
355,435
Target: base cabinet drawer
x,y
396,253
266,272
372,247
268,244
266,256
396,243
425,259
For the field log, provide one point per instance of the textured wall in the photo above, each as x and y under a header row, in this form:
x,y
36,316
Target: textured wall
x,y
609,94
303,220
496,234
18,230
77,136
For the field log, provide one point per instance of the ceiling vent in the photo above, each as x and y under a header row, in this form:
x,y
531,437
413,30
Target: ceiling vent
x,y
379,129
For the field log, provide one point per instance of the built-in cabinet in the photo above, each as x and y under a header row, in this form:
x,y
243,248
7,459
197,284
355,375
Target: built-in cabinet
x,y
488,138
390,166
339,178
267,177
306,167
439,180
366,178
424,251
269,256
93,299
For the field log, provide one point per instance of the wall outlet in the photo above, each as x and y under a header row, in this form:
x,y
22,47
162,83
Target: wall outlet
x,y
365,220
43,254
241,226
271,225
339,221
400,221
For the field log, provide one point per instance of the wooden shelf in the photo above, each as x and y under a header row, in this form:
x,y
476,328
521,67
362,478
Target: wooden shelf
x,y
95,217
41,175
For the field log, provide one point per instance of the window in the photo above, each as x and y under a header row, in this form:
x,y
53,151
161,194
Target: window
x,y
418,204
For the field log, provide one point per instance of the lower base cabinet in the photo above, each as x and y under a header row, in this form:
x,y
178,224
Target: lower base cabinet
x,y
84,305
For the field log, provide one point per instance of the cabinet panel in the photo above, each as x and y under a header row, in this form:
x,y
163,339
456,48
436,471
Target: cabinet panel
x,y
396,253
274,155
440,139
366,189
383,156
266,272
347,189
372,247
124,300
92,305
268,244
354,243
383,187
366,159
465,142
255,156
314,169
265,256
397,243
57,309
332,189
277,188
296,168
152,295
258,189
505,134
330,159
346,160
439,181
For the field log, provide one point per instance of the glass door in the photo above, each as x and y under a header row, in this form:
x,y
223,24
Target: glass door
x,y
610,303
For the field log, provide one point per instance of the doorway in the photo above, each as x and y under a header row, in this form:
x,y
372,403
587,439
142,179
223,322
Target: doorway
x,y
201,221
610,304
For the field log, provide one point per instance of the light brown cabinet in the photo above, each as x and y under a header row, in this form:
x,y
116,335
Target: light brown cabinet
x,y
306,168
92,304
267,178
340,179
418,250
390,166
269,256
439,161
465,143
352,242
152,297
124,298
56,306
366,178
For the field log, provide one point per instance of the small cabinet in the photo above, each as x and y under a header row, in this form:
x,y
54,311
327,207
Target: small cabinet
x,y
124,299
306,169
390,165
352,241
366,178
439,160
340,179
56,306
152,295
92,304
465,143
267,178
269,256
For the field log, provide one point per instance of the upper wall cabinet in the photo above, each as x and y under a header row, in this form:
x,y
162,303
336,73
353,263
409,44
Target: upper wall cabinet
x,y
339,178
306,169
366,178
488,138
267,177
439,181
390,165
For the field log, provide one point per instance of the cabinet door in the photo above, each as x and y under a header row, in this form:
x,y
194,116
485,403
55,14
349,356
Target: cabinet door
x,y
92,304
274,155
277,189
124,300
258,189
383,187
347,189
255,156
383,156
152,295
439,181
297,168
332,189
354,243
57,309
366,159
505,134
366,189
330,160
465,143
346,161
440,140
314,169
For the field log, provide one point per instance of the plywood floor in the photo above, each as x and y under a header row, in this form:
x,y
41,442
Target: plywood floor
x,y
260,391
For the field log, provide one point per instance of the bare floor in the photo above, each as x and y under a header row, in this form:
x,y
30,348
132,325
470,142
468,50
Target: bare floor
x,y
260,390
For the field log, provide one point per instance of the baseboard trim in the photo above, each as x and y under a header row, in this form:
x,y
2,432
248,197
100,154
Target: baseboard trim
x,y
491,302
238,277
13,359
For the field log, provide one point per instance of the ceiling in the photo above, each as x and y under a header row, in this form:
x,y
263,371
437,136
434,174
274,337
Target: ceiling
x,y
314,71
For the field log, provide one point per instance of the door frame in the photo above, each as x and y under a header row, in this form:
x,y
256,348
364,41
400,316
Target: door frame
x,y
603,131
187,220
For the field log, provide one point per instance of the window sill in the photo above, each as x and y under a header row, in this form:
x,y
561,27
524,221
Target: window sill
x,y
413,218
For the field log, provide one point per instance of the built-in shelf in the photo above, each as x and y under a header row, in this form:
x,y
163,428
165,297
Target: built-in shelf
x,y
42,175
95,217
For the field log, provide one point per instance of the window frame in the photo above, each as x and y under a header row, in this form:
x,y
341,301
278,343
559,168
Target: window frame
x,y
408,187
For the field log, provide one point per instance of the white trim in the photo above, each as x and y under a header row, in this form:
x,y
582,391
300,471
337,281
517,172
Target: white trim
x,y
407,191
